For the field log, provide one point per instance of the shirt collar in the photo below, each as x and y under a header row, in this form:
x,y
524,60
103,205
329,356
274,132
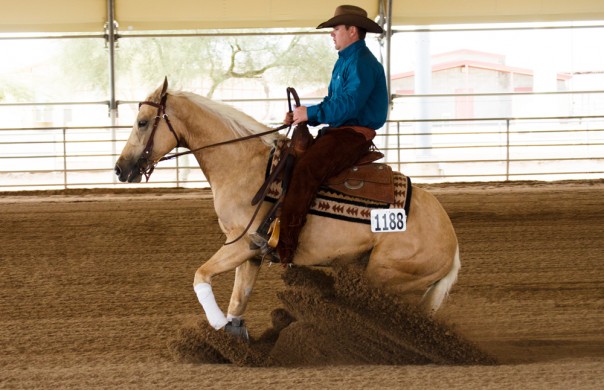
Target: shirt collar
x,y
352,48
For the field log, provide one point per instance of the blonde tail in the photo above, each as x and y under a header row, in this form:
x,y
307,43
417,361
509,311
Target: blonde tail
x,y
438,292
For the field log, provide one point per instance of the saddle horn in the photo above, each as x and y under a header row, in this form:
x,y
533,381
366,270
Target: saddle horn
x,y
292,92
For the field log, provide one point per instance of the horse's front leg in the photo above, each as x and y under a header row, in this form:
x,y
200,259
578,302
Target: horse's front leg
x,y
227,258
245,278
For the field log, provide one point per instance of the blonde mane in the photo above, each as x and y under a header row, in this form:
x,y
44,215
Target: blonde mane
x,y
237,121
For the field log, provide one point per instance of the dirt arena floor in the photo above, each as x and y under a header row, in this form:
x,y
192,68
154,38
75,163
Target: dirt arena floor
x,y
96,289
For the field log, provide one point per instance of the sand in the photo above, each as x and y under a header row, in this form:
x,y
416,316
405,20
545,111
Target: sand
x,y
96,292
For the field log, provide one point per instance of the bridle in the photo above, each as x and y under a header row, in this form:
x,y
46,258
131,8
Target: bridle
x,y
146,166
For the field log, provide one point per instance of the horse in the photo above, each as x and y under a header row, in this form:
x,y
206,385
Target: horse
x,y
232,150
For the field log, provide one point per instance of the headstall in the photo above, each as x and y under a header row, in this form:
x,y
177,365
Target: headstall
x,y
145,164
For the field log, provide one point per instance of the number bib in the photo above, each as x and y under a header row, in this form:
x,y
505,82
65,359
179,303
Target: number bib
x,y
388,220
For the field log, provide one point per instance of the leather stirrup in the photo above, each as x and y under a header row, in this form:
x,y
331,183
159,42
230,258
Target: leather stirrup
x,y
274,231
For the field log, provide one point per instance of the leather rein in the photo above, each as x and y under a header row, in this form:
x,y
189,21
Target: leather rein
x,y
146,166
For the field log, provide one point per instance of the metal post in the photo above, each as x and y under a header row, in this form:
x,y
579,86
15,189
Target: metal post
x,y
177,171
398,146
507,150
110,37
110,28
64,158
388,29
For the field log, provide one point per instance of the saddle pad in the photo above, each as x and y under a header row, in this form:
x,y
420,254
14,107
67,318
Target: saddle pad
x,y
333,204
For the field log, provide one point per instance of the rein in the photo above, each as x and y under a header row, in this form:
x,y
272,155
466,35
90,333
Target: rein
x,y
147,166
224,143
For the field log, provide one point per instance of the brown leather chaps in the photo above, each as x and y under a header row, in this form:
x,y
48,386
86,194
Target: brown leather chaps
x,y
330,153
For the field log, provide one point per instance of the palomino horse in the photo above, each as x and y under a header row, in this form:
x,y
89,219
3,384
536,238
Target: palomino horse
x,y
424,258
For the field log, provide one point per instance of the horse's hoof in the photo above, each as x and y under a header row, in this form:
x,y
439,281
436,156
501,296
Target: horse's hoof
x,y
237,328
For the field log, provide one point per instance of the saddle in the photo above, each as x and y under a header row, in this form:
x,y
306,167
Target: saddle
x,y
365,181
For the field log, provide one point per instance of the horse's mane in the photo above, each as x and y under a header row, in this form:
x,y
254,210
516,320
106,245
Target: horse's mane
x,y
240,123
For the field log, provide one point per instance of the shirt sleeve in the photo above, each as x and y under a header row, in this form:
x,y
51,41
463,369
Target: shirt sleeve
x,y
312,112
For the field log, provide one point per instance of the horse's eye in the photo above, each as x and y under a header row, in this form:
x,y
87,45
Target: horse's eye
x,y
142,123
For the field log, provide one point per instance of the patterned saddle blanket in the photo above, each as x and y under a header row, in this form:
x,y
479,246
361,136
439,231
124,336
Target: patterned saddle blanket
x,y
352,194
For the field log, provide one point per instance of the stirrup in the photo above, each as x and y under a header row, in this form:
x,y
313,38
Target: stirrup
x,y
274,230
258,241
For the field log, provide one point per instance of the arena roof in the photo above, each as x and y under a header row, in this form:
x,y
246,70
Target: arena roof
x,y
139,15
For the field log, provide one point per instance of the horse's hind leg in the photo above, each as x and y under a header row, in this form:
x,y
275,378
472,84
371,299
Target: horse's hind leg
x,y
409,263
408,269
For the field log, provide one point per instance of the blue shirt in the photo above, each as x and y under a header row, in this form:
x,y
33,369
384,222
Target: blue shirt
x,y
357,94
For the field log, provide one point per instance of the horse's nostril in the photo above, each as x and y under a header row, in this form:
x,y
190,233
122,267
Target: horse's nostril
x,y
118,170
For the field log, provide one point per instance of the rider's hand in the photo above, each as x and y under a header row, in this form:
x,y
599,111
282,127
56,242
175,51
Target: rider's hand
x,y
300,115
289,118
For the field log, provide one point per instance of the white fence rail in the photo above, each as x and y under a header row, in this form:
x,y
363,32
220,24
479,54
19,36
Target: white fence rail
x,y
543,148
491,149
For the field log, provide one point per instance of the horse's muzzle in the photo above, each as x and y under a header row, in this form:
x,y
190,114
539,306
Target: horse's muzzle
x,y
127,172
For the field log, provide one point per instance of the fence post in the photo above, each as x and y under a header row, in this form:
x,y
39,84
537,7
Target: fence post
x,y
177,172
64,158
507,149
398,147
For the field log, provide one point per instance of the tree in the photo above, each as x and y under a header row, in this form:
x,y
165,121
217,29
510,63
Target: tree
x,y
82,68
217,66
207,62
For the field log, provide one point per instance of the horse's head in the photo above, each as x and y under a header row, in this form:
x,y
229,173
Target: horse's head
x,y
152,137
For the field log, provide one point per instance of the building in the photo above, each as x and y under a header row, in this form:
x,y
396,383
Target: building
x,y
468,72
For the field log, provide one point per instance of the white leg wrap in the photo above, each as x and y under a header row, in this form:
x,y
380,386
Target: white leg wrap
x,y
205,296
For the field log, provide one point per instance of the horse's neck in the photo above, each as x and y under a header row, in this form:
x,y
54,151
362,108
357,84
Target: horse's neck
x,y
232,169
233,164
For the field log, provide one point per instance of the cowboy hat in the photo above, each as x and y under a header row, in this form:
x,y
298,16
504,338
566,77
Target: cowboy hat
x,y
351,15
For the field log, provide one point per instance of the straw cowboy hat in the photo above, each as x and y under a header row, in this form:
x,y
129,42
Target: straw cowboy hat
x,y
351,15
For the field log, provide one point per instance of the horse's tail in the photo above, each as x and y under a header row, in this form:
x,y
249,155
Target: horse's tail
x,y
436,294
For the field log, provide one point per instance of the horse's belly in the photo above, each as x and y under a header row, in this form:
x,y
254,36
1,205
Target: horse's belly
x,y
326,241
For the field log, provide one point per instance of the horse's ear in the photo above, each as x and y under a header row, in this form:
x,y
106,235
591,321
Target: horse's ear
x,y
165,87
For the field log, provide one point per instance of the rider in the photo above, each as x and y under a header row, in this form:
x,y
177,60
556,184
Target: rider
x,y
356,106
